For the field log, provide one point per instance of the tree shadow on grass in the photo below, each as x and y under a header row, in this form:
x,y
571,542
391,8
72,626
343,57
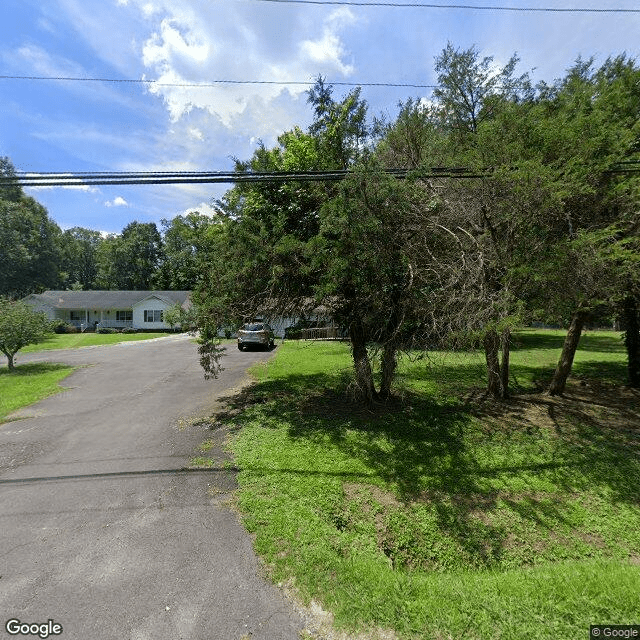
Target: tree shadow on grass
x,y
32,368
597,372
452,463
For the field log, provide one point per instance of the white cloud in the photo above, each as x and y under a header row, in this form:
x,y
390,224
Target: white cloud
x,y
197,43
118,201
329,50
204,208
196,134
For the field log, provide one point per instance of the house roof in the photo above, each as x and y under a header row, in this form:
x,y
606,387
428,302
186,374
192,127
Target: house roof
x,y
104,299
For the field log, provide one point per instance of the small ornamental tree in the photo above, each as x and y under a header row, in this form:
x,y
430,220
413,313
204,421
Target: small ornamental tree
x,y
20,325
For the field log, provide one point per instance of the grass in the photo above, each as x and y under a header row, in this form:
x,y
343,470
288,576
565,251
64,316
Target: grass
x,y
29,383
75,340
447,515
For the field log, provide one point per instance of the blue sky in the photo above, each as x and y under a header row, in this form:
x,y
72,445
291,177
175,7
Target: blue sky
x,y
86,126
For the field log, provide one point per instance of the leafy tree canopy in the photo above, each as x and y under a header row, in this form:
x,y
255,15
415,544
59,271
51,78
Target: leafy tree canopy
x,y
20,325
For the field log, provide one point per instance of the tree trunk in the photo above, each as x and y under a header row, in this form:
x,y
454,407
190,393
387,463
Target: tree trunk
x,y
631,317
491,349
389,364
10,361
505,345
364,387
569,348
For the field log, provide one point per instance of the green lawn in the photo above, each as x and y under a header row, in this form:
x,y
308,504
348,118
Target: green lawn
x,y
448,515
75,340
28,384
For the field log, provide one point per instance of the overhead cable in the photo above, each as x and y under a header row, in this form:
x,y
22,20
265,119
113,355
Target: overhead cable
x,y
214,83
429,5
83,179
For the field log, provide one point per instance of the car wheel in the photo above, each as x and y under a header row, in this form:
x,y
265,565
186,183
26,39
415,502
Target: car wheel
x,y
241,347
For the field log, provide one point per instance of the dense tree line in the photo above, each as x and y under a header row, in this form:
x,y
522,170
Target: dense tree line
x,y
35,254
531,221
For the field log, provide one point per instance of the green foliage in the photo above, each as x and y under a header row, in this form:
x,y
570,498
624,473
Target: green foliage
x,y
29,250
470,90
188,247
508,510
177,316
20,326
78,254
130,261
13,192
340,128
60,326
260,265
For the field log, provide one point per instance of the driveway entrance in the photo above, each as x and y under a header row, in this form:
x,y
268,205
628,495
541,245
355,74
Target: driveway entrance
x,y
103,531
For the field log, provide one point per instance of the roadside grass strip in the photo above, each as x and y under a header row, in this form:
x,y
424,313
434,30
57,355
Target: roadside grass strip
x,y
445,514
29,383
76,340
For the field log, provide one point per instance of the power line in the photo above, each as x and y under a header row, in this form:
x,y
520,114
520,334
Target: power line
x,y
424,5
214,83
83,179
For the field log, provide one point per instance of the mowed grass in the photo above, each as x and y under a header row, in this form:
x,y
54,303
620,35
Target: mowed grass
x,y
75,340
446,514
29,383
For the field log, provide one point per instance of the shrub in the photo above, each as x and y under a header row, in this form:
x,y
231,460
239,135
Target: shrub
x,y
129,330
59,326
106,330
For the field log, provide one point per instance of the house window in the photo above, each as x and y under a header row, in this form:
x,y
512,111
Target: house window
x,y
74,316
152,315
124,316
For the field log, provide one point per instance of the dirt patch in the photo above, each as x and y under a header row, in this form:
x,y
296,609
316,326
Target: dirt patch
x,y
361,492
615,408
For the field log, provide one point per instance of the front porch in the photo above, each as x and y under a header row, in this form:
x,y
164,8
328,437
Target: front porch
x,y
91,319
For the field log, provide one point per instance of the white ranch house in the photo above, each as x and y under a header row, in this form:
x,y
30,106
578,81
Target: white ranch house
x,y
114,309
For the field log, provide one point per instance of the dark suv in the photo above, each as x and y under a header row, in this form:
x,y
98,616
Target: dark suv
x,y
256,334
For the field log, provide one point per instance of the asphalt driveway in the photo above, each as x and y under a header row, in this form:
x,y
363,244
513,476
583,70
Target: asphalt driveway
x,y
101,528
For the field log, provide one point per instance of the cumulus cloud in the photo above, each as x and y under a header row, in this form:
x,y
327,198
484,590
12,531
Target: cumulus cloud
x,y
195,43
118,201
203,208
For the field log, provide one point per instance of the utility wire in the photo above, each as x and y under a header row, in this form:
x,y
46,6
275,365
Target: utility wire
x,y
212,177
214,83
424,5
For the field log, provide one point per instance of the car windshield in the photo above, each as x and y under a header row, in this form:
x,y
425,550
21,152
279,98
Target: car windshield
x,y
253,327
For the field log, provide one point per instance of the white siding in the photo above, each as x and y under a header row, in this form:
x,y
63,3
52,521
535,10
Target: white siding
x,y
149,304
